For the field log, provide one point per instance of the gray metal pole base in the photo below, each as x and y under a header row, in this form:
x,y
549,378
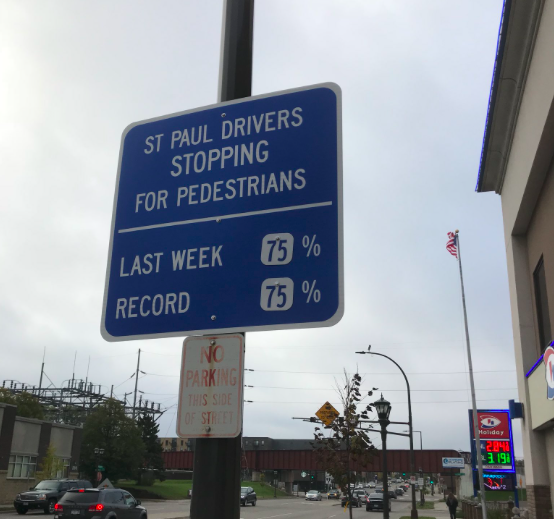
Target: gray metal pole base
x,y
216,478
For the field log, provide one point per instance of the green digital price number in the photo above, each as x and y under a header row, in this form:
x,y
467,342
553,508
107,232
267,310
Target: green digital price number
x,y
497,452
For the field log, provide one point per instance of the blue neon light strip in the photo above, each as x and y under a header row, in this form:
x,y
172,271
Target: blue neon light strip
x,y
528,374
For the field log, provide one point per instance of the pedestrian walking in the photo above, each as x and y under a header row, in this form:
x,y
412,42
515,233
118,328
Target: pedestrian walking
x,y
452,504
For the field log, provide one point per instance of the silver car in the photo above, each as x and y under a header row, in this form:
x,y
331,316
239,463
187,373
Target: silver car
x,y
313,495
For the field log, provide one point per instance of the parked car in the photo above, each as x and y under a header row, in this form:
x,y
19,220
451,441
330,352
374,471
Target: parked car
x,y
375,502
313,495
356,501
112,503
247,495
333,494
399,491
392,494
46,494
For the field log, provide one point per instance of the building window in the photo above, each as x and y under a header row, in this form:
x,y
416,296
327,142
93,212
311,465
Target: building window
x,y
63,471
541,302
22,466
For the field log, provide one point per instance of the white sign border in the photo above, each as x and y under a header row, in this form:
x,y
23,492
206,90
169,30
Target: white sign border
x,y
293,326
239,382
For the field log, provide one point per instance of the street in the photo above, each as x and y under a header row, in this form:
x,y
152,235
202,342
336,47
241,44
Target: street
x,y
292,508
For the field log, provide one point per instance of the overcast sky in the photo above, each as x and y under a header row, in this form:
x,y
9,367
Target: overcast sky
x,y
415,78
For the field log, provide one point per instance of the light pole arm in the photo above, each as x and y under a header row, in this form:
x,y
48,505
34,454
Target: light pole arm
x,y
414,514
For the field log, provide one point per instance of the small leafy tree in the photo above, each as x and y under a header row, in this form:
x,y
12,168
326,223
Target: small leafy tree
x,y
50,465
347,442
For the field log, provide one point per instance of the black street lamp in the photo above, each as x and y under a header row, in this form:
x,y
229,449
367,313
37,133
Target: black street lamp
x,y
414,514
97,455
383,409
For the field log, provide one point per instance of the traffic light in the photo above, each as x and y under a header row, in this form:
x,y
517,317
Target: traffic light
x,y
404,474
432,482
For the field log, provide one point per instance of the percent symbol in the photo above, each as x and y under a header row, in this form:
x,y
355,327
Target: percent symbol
x,y
311,245
312,292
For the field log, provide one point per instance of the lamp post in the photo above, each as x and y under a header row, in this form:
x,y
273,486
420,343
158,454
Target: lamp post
x,y
97,454
383,409
414,514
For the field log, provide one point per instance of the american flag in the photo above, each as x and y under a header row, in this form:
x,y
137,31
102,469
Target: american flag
x,y
452,245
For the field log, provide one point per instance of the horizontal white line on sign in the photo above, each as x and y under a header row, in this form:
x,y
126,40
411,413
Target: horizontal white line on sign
x,y
227,216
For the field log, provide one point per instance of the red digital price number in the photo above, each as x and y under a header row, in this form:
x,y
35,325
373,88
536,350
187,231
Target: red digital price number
x,y
498,446
498,452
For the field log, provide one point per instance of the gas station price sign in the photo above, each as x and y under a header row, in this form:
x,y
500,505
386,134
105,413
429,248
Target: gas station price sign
x,y
496,445
497,454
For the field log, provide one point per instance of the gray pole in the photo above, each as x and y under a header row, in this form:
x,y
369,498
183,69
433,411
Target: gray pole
x,y
386,498
136,385
40,381
413,514
472,384
216,466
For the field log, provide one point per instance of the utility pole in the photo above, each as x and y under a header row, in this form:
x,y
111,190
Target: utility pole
x,y
136,384
41,373
216,468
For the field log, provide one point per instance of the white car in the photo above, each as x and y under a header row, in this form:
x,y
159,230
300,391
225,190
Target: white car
x,y
313,495
371,485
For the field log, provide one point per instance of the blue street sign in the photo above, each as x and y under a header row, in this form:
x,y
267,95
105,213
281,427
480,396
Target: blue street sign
x,y
229,218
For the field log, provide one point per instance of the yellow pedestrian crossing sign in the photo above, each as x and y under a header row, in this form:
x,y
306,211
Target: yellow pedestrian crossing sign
x,y
327,413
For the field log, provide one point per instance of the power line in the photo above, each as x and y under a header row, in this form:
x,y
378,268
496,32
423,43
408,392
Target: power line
x,y
381,373
381,389
339,403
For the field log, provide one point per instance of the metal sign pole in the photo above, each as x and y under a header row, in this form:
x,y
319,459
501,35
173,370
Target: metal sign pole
x,y
216,470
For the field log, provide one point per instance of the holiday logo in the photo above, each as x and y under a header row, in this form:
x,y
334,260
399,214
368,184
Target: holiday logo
x,y
494,424
489,422
548,360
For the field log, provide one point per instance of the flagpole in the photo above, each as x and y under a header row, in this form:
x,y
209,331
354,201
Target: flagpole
x,y
472,384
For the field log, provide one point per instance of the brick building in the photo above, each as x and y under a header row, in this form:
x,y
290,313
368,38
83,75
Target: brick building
x,y
23,444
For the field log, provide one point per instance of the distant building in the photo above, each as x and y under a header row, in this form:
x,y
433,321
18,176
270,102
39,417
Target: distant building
x,y
23,444
517,163
174,444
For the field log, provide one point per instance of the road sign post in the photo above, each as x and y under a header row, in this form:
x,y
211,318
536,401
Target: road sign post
x,y
217,462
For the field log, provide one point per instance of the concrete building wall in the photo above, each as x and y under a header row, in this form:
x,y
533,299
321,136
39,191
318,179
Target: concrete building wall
x,y
61,439
26,434
526,186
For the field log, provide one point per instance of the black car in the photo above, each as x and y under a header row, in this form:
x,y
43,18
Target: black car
x,y
399,491
247,495
46,494
392,494
94,503
356,501
375,502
